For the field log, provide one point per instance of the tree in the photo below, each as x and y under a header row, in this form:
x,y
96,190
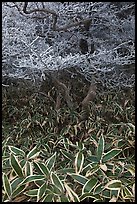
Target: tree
x,y
95,37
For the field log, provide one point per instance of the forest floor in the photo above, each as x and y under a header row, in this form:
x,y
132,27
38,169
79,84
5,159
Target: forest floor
x,y
29,119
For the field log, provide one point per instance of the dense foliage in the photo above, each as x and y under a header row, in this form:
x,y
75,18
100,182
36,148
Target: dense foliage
x,y
68,102
50,155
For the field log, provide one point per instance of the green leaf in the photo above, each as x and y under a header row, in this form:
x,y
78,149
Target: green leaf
x,y
72,195
93,159
32,178
89,185
32,193
79,178
98,189
87,168
131,169
66,170
15,183
55,190
115,193
106,193
41,168
89,195
33,153
63,199
48,198
57,182
7,185
51,161
93,169
67,155
37,168
16,166
40,182
16,151
111,154
18,190
28,168
41,191
80,145
22,163
79,162
4,158
100,148
126,193
113,185
66,143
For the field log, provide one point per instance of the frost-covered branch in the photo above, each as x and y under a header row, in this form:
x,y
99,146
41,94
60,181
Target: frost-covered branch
x,y
43,36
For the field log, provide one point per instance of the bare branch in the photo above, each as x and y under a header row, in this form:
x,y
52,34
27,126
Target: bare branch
x,y
64,91
58,102
37,10
85,103
89,97
65,27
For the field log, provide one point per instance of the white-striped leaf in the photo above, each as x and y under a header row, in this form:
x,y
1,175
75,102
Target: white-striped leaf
x,y
79,162
72,195
22,163
7,185
37,168
51,161
113,185
32,178
48,198
131,169
41,191
15,183
66,143
16,165
66,170
40,182
89,195
89,185
126,193
80,145
41,168
32,193
87,168
106,193
18,190
133,189
28,168
93,159
92,170
98,189
111,154
67,155
33,153
100,148
79,178
16,151
57,182
56,191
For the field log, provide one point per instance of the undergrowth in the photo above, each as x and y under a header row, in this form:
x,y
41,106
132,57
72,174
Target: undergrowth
x,y
50,156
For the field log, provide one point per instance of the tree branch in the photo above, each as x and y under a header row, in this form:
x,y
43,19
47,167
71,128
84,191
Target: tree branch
x,y
65,27
64,91
85,103
37,10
